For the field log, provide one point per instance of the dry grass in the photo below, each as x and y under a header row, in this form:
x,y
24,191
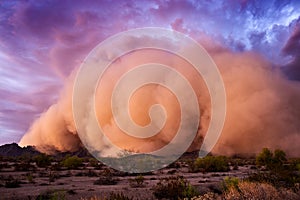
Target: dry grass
x,y
245,190
257,191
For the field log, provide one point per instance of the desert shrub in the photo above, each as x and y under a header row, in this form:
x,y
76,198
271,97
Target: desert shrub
x,y
30,178
207,196
298,167
174,188
264,158
295,164
137,182
272,161
52,176
230,182
95,163
211,164
279,174
284,178
43,160
106,178
52,195
279,157
72,162
24,158
248,190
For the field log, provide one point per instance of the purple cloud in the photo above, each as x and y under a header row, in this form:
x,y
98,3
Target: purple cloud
x,y
292,48
42,42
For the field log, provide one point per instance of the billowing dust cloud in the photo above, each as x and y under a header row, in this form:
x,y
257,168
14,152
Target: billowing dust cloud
x,y
263,109
55,129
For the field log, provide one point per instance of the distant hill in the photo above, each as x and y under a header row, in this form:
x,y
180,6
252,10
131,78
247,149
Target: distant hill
x,y
14,150
81,153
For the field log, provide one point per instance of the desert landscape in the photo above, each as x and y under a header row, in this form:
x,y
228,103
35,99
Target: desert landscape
x,y
149,99
28,174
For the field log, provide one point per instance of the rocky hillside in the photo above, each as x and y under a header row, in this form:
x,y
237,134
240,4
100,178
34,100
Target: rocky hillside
x,y
14,150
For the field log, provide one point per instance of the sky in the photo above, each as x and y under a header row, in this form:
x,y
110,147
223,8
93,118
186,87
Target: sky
x,y
42,42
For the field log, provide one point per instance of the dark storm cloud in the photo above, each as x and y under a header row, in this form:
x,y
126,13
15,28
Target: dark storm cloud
x,y
292,48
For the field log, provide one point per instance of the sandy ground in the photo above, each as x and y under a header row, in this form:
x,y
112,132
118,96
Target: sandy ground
x,y
76,184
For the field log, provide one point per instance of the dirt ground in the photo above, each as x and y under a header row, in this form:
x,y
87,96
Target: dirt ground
x,y
80,184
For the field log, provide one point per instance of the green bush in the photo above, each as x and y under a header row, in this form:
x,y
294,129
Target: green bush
x,y
174,188
280,172
264,158
72,162
279,157
211,164
271,161
43,160
230,182
294,164
298,167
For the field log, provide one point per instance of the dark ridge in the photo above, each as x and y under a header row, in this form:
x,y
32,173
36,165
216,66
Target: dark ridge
x,y
292,70
14,150
81,153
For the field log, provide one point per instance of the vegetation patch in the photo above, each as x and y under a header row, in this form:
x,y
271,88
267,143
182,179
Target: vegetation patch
x,y
72,162
210,164
137,182
174,188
